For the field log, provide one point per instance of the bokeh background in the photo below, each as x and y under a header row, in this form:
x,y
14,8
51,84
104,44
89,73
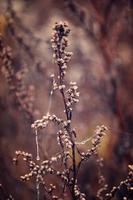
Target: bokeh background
x,y
101,41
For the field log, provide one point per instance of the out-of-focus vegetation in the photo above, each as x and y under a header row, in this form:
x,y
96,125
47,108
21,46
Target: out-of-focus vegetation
x,y
101,40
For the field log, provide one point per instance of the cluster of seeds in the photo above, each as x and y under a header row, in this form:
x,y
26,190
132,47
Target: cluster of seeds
x,y
62,57
78,194
99,132
59,43
64,139
96,140
125,188
42,123
39,171
72,95
54,83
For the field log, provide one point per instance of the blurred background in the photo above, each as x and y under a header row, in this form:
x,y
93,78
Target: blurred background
x,y
101,42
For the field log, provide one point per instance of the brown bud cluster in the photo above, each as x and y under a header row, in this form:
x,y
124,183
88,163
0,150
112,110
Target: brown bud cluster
x,y
78,194
72,95
96,140
64,139
42,123
59,43
125,187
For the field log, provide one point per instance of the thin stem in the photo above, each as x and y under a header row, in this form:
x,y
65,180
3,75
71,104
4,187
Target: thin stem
x,y
68,116
37,146
38,189
37,158
50,102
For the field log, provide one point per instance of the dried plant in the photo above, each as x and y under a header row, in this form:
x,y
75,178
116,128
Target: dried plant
x,y
66,135
24,95
124,190
65,170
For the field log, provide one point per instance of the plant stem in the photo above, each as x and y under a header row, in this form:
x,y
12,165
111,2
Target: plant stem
x,y
68,116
